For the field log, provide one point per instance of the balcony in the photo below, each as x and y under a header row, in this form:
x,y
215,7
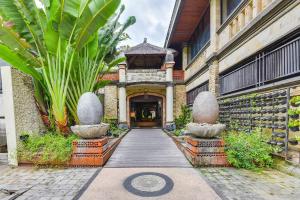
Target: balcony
x,y
240,18
267,67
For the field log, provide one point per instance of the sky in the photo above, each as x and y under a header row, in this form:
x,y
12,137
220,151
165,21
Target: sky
x,y
152,20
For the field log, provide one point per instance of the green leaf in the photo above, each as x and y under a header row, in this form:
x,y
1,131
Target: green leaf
x,y
94,16
10,57
12,40
9,11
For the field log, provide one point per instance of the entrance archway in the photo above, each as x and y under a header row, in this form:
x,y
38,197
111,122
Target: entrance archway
x,y
146,110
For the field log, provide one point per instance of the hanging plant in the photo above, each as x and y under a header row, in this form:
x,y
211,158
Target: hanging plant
x,y
293,141
294,113
294,125
295,101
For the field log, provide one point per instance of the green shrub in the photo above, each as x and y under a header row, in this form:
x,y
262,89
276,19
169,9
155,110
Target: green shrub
x,y
50,149
293,123
249,151
184,118
177,132
113,126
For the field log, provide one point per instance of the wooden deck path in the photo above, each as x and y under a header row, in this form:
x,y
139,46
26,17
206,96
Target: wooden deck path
x,y
147,148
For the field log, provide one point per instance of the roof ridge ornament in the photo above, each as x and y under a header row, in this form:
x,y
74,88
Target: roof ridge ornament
x,y
145,40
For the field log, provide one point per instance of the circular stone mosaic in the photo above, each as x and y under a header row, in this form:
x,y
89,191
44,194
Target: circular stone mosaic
x,y
148,184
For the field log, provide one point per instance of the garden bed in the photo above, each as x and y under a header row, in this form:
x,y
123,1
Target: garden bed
x,y
86,159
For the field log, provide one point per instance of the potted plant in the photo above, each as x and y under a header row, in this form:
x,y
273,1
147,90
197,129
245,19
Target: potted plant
x,y
273,142
293,113
294,125
275,95
281,126
293,141
282,93
295,101
282,101
282,110
281,135
275,126
281,118
280,143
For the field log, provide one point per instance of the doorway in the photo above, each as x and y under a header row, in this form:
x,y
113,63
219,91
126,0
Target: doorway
x,y
146,111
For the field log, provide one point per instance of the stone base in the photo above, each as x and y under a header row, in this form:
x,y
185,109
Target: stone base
x,y
123,125
90,131
170,126
206,152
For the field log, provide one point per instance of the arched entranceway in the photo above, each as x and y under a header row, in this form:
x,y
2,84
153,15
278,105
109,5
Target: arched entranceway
x,y
146,110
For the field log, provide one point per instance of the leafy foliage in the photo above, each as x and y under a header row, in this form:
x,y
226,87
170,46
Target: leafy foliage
x,y
295,100
184,118
66,46
49,149
294,123
249,151
113,126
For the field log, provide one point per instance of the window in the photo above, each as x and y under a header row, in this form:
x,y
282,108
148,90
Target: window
x,y
191,95
201,35
228,6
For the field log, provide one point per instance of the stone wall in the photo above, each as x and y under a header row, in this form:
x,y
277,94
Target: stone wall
x,y
179,99
111,102
146,75
27,116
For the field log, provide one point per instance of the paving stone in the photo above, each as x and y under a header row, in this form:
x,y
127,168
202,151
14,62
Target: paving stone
x,y
45,184
239,184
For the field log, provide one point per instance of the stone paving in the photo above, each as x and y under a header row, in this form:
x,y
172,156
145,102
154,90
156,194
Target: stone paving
x,y
44,184
237,184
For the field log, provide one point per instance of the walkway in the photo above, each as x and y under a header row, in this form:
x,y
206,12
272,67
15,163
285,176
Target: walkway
x,y
148,165
147,148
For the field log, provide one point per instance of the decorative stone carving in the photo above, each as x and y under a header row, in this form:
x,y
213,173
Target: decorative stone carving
x,y
205,108
205,130
90,131
205,115
89,109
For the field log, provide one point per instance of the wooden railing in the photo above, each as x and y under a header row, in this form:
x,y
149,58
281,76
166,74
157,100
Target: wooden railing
x,y
269,66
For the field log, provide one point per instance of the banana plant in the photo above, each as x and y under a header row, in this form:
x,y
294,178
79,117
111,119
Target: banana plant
x,y
48,40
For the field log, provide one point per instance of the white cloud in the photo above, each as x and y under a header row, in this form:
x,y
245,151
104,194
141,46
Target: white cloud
x,y
152,20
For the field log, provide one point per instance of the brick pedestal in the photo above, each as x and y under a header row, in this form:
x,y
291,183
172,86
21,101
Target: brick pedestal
x,y
206,152
90,152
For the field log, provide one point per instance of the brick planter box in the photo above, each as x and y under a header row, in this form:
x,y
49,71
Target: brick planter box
x,y
202,152
93,153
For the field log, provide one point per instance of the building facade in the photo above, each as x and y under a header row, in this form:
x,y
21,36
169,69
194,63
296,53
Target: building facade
x,y
147,90
233,46
247,52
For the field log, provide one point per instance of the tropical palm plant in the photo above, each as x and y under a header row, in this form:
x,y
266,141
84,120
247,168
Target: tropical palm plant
x,y
52,40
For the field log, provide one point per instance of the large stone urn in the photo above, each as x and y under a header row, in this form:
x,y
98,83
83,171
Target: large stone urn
x,y
204,148
205,114
90,113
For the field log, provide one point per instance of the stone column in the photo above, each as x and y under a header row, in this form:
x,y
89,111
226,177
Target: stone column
x,y
122,96
169,64
214,77
215,22
257,7
185,56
